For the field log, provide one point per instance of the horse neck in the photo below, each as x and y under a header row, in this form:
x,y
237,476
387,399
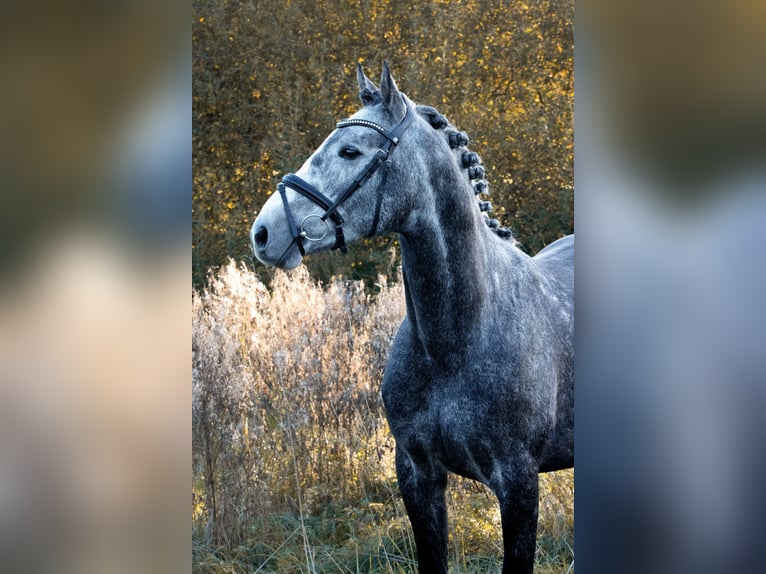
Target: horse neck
x,y
446,264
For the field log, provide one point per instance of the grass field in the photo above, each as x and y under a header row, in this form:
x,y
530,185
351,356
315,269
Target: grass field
x,y
292,459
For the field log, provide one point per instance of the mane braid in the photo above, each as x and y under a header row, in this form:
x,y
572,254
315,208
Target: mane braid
x,y
470,162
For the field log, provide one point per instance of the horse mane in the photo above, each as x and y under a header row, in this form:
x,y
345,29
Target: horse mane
x,y
469,161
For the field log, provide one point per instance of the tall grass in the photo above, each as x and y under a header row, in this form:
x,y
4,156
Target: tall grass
x,y
292,458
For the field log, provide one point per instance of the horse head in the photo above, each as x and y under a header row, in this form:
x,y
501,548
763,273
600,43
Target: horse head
x,y
377,172
349,188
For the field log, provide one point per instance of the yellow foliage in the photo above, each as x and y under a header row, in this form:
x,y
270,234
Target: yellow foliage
x,y
263,101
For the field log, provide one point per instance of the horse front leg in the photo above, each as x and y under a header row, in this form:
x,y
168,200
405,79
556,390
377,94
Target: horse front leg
x,y
423,490
518,497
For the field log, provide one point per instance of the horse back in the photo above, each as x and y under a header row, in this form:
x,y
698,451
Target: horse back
x,y
557,259
556,262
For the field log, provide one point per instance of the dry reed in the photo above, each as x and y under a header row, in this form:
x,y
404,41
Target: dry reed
x,y
292,458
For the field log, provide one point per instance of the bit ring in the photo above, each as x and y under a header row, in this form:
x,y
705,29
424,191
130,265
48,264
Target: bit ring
x,y
305,235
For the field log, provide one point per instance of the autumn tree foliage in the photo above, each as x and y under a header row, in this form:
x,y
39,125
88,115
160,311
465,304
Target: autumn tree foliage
x,y
272,78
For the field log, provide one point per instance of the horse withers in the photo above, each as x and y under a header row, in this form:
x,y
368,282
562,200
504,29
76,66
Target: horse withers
x,y
479,380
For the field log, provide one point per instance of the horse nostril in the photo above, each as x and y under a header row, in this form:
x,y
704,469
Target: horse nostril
x,y
261,237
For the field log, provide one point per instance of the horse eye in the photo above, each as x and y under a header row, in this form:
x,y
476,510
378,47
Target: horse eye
x,y
349,152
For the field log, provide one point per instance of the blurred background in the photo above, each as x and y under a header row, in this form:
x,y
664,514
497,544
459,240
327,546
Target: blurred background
x,y
94,286
670,175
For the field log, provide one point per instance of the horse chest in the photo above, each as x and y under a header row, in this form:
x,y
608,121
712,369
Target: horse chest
x,y
464,439
450,426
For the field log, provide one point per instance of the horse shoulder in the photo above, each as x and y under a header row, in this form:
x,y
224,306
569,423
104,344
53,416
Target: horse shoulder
x,y
403,381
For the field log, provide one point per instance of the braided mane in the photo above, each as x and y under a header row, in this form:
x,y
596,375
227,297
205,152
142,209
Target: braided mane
x,y
469,161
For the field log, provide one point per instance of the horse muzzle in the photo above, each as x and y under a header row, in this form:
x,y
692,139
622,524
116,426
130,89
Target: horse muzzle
x,y
272,245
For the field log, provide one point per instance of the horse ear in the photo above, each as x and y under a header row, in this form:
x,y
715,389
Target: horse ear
x,y
392,97
368,92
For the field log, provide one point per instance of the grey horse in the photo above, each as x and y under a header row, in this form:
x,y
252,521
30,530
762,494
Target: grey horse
x,y
479,380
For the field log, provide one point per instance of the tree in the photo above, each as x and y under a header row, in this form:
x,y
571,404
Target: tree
x,y
271,79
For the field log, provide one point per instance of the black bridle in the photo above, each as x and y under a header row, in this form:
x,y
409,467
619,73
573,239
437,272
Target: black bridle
x,y
331,207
